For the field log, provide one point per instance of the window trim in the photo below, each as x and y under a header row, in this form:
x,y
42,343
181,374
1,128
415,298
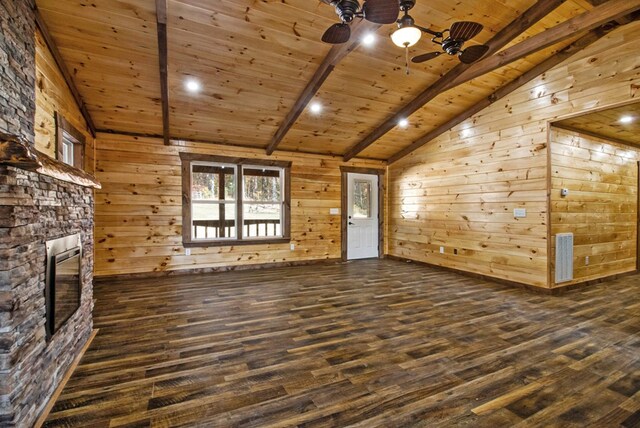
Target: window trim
x,y
187,239
62,126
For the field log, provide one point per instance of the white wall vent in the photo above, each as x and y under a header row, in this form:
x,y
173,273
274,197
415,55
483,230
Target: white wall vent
x,y
564,257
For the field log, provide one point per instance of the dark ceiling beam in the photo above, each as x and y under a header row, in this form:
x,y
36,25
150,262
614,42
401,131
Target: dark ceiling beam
x,y
519,25
536,71
335,55
607,12
65,72
161,24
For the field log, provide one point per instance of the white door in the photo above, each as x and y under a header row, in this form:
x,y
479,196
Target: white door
x,y
362,216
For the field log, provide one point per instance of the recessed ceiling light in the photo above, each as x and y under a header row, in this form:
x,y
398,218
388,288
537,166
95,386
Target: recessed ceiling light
x,y
192,85
316,108
369,39
403,123
626,119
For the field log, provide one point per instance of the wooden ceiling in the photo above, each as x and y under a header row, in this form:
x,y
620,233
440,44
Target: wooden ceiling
x,y
608,124
254,59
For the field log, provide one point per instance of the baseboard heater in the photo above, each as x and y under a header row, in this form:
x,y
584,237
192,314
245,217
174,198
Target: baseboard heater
x,y
564,257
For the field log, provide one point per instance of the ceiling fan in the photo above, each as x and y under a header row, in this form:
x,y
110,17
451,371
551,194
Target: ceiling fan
x,y
377,11
408,34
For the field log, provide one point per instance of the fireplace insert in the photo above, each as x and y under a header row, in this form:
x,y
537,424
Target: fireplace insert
x,y
63,282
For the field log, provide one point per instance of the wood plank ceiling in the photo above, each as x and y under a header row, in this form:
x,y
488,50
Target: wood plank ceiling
x,y
253,60
620,124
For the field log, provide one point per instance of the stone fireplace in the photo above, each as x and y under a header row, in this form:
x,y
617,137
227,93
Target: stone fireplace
x,y
40,200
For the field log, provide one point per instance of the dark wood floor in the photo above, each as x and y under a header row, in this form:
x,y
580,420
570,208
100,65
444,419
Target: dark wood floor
x,y
370,343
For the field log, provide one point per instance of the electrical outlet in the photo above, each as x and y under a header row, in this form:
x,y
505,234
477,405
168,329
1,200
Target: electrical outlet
x,y
441,250
586,261
293,246
187,251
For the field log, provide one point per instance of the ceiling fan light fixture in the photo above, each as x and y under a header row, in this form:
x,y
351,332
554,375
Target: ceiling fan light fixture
x,y
405,37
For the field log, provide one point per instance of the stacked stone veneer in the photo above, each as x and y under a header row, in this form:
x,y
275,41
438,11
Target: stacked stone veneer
x,y
17,68
33,209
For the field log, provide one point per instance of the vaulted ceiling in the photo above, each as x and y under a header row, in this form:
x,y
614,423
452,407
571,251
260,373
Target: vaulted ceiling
x,y
255,58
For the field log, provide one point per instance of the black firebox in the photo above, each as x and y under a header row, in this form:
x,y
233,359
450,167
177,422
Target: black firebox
x,y
63,283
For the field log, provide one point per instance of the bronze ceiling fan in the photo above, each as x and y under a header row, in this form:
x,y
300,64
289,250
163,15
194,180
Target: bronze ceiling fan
x,y
376,11
451,40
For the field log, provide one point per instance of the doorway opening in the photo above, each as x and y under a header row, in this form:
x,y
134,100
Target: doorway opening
x,y
593,192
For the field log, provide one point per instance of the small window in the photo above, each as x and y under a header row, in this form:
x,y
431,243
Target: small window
x,y
70,143
362,199
229,200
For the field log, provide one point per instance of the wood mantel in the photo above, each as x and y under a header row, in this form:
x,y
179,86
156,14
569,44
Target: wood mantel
x,y
17,153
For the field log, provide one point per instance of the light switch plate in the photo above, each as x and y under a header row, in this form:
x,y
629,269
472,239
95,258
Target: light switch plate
x,y
519,212
334,211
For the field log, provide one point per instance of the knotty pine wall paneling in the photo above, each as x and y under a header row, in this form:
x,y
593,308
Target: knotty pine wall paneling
x,y
138,209
601,209
459,191
53,95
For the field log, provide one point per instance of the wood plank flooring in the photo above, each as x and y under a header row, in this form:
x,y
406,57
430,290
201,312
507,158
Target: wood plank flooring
x,y
368,343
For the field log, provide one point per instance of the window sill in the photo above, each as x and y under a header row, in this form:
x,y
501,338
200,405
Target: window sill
x,y
231,243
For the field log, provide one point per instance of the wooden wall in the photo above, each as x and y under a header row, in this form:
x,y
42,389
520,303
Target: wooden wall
x,y
459,191
601,209
138,210
53,95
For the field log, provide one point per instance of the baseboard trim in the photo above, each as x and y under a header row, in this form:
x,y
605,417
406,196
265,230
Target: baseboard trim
x,y
542,290
559,289
196,271
47,409
480,276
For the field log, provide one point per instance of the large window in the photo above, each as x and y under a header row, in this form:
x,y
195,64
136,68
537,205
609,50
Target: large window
x,y
227,201
69,143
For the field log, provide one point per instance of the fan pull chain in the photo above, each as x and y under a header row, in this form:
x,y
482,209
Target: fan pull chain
x,y
406,61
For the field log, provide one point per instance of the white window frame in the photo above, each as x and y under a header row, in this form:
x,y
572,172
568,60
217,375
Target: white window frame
x,y
219,201
281,202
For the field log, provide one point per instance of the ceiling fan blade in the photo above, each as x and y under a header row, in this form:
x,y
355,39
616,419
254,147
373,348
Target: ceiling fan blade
x,y
337,33
381,11
425,57
473,53
464,30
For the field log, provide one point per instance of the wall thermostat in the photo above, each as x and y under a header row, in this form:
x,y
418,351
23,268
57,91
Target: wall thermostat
x,y
519,212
